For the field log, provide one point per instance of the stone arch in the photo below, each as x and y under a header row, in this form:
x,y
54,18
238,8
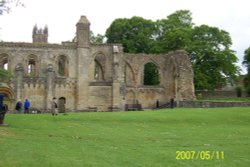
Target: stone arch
x,y
4,61
99,66
129,75
147,69
63,66
9,95
99,73
61,104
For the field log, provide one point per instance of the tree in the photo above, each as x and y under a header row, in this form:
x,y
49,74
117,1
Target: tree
x,y
213,60
5,5
173,33
4,75
98,39
246,63
208,47
151,74
135,34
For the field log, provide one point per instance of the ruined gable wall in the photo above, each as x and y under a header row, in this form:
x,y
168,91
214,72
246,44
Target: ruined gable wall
x,y
176,78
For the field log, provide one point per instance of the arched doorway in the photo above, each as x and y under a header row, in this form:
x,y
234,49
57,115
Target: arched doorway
x,y
61,104
9,96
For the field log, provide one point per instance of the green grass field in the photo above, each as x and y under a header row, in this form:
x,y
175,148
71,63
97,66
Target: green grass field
x,y
128,139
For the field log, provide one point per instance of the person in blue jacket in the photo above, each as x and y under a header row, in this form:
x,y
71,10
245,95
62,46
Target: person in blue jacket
x,y
26,106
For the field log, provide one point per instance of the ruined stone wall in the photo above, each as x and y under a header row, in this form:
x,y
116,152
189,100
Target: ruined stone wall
x,y
100,97
33,86
176,78
88,76
34,90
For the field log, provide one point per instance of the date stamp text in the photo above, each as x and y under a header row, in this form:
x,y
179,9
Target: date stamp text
x,y
199,155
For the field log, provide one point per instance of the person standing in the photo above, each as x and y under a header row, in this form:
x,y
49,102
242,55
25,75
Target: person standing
x,y
54,106
26,106
19,106
3,111
157,104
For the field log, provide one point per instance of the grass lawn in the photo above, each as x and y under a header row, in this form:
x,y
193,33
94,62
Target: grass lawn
x,y
128,139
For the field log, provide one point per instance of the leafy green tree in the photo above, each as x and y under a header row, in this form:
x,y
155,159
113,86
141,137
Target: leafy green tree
x,y
213,60
98,39
135,34
208,47
151,74
4,75
246,63
173,33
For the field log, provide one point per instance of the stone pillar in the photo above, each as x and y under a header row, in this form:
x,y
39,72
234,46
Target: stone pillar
x,y
118,80
82,78
50,86
19,84
83,62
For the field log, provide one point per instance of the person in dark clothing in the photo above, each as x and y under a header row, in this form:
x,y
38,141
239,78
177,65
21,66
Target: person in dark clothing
x,y
19,107
2,113
172,103
54,106
157,104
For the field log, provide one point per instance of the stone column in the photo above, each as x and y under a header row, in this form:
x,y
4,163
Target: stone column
x,y
82,68
176,77
118,80
83,60
19,84
50,86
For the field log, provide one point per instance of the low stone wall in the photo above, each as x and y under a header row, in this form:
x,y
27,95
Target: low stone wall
x,y
208,104
218,94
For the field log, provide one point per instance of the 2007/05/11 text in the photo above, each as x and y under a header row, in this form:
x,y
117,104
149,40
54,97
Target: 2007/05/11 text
x,y
200,155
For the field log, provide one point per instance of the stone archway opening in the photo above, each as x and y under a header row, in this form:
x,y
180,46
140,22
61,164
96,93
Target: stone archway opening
x,y
8,96
151,75
61,105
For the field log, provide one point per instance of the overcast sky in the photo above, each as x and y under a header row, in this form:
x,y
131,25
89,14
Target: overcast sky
x,y
61,17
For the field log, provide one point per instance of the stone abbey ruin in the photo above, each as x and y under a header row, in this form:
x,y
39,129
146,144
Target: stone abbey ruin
x,y
86,77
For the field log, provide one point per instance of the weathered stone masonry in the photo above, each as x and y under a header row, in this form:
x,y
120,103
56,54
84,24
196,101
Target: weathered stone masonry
x,y
84,76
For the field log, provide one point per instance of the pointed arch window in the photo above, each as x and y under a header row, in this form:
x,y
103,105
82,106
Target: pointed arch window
x,y
151,74
31,67
99,75
129,75
63,66
4,63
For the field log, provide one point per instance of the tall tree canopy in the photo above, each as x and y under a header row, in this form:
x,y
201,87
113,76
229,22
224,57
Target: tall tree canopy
x,y
246,63
136,34
208,47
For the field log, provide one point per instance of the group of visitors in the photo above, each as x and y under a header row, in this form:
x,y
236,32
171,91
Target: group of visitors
x,y
19,106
